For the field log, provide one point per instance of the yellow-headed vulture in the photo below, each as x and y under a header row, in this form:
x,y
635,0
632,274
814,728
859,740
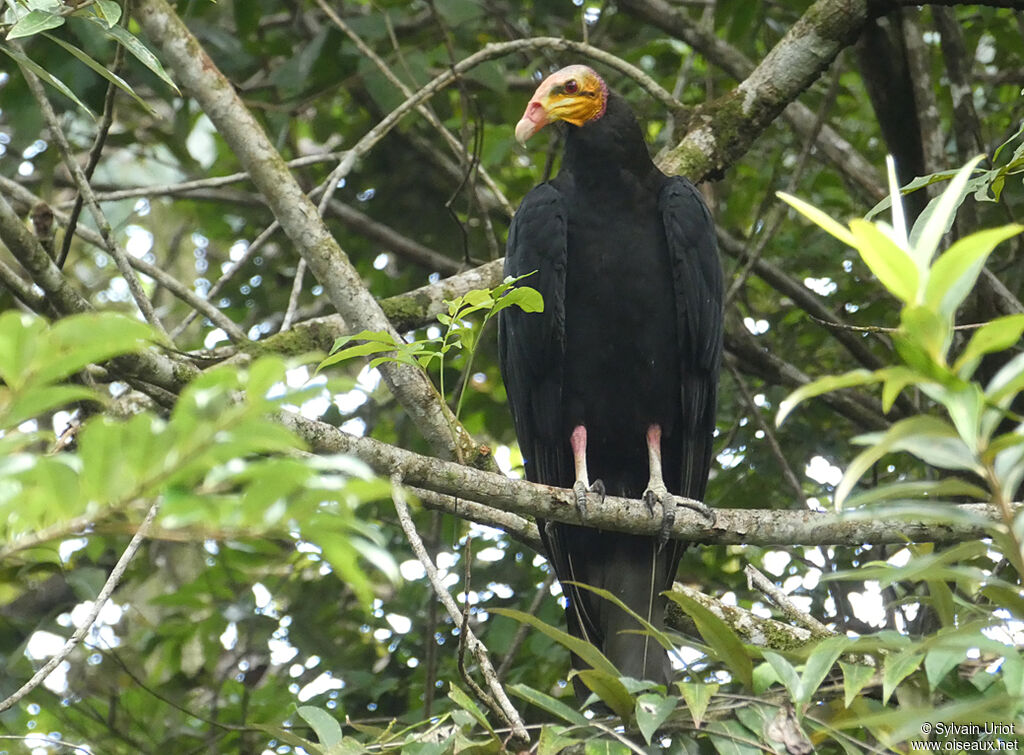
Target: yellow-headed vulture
x,y
616,379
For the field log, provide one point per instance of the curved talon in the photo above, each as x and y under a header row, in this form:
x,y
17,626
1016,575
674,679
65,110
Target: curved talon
x,y
658,495
701,508
580,490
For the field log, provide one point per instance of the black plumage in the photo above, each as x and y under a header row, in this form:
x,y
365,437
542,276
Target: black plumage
x,y
626,350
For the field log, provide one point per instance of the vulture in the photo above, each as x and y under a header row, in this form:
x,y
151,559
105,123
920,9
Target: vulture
x,y
613,386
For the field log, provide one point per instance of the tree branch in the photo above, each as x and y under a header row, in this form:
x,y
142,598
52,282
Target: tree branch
x,y
158,369
110,244
23,196
497,700
101,599
839,152
733,526
299,219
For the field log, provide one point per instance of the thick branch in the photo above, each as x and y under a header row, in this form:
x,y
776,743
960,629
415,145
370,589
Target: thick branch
x,y
733,526
723,130
839,152
23,196
198,74
160,370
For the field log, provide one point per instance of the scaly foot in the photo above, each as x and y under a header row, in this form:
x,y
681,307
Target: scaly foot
x,y
581,489
658,495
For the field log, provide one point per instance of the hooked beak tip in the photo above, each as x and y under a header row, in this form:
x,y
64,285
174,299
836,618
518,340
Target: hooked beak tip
x,y
524,130
533,120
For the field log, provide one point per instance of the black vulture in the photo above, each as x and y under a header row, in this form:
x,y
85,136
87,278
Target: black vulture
x,y
615,381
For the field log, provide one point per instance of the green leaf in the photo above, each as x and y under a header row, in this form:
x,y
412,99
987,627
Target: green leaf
x,y
375,342
463,700
35,401
605,746
822,385
929,438
697,696
77,341
108,11
929,335
649,628
546,702
855,678
132,44
893,266
909,188
894,380
899,218
733,738
526,298
1007,382
939,661
1009,598
786,672
48,78
339,552
35,22
936,221
611,691
946,489
587,652
819,663
553,740
102,70
942,601
998,335
819,218
651,712
954,273
897,667
764,677
327,729
1001,147
720,636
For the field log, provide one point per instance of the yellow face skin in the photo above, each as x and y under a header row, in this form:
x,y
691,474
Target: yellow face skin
x,y
575,94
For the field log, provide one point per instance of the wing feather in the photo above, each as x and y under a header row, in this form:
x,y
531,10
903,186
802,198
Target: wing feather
x,y
697,278
532,345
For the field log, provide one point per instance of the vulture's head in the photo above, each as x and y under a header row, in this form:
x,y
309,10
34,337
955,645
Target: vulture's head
x,y
575,94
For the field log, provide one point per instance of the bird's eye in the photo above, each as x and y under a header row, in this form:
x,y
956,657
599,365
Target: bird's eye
x,y
571,86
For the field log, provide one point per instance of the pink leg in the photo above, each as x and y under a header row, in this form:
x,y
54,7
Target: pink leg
x,y
578,441
582,486
657,492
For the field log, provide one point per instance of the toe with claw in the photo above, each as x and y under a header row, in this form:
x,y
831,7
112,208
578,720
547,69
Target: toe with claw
x,y
581,489
658,495
701,508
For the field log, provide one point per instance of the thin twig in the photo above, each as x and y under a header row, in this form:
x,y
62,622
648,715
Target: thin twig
x,y
500,703
228,274
199,305
215,182
79,634
293,298
106,121
778,211
457,147
779,598
118,254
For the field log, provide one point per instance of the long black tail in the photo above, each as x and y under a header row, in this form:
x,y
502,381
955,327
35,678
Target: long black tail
x,y
632,568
